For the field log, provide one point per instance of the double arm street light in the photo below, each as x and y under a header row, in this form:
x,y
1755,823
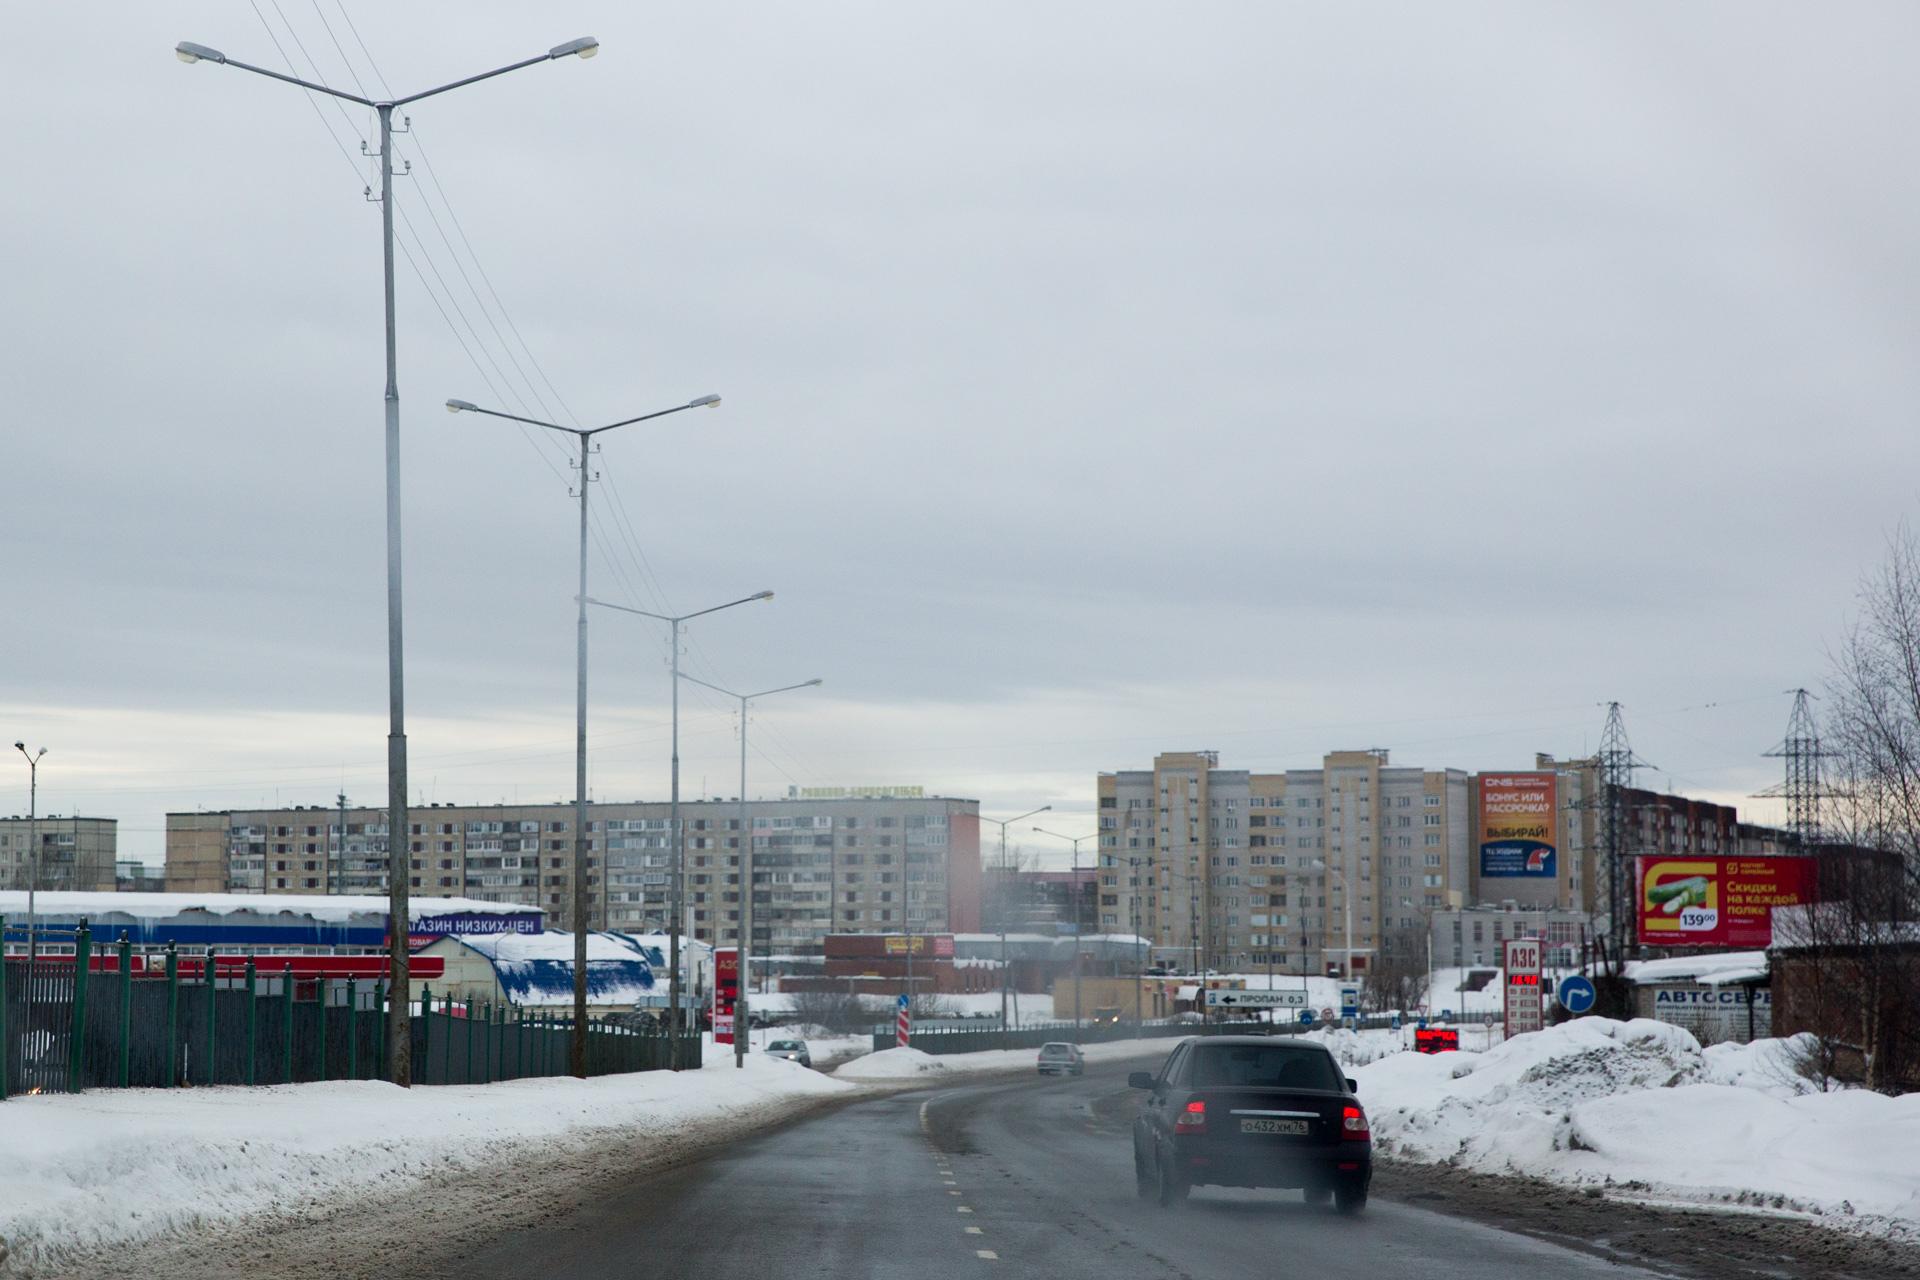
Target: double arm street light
x,y
33,872
673,819
577,1044
399,1038
1006,972
1073,897
746,864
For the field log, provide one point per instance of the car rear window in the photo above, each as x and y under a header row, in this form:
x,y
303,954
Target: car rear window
x,y
784,1044
1056,1051
1264,1066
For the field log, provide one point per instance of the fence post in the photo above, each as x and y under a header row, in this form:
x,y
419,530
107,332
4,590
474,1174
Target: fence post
x,y
213,1007
126,1010
173,1015
82,960
320,1020
253,1022
286,1011
379,1024
426,1030
3,1009
469,1057
353,1032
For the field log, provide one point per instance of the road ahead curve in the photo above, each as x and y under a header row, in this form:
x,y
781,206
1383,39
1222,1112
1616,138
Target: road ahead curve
x,y
1004,1177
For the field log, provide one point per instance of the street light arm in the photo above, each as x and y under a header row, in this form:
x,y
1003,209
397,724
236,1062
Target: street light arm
x,y
624,608
703,402
767,693
1045,808
199,53
1072,840
758,595
466,406
709,685
484,75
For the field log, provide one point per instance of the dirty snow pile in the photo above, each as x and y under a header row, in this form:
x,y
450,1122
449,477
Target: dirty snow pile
x,y
115,1166
1640,1107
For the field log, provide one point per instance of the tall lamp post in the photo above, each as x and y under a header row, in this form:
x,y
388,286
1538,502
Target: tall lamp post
x,y
746,861
1006,971
33,859
399,1037
1074,898
577,1044
1346,901
673,819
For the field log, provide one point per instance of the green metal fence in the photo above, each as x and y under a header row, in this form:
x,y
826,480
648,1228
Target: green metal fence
x,y
964,1039
68,1025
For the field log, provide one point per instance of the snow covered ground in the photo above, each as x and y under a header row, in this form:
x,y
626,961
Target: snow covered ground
x,y
120,1165
1640,1108
899,1064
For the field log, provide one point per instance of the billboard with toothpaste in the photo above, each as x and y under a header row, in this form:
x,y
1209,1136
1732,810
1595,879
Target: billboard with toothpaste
x,y
1717,902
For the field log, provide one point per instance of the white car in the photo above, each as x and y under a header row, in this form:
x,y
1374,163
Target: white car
x,y
791,1050
1062,1059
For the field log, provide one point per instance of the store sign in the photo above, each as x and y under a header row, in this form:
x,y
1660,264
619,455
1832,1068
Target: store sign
x,y
936,944
726,992
1717,902
1521,984
1517,826
437,926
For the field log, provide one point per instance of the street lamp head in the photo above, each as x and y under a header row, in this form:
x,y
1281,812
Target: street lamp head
x,y
585,47
704,402
761,595
189,52
814,681
20,746
455,406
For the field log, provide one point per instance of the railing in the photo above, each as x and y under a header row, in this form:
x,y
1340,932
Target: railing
x,y
73,1024
1029,1035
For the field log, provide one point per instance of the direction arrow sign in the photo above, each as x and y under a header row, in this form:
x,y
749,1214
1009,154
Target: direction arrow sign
x,y
1576,993
1257,999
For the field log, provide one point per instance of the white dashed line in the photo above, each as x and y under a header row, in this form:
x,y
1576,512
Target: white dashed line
x,y
924,1126
988,1254
962,1208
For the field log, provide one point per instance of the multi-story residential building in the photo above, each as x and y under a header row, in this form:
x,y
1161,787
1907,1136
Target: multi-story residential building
x,y
1226,868
837,860
75,853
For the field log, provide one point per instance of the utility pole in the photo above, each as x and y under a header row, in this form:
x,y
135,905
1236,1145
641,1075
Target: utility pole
x,y
1801,788
340,851
1006,969
1617,763
33,869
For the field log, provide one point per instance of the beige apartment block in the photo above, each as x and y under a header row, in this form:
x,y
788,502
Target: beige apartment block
x,y
859,860
1230,869
75,853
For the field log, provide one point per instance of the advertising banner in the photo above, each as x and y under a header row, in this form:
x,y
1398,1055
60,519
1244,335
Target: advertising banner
x,y
939,945
1517,812
726,992
1717,902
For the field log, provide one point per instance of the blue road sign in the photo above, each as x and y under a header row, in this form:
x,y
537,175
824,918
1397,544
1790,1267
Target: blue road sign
x,y
1446,1015
1349,1002
1421,1025
1396,1022
1576,993
1306,1017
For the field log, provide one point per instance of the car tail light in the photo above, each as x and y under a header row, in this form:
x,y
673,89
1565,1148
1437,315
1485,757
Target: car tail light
x,y
1193,1119
1353,1125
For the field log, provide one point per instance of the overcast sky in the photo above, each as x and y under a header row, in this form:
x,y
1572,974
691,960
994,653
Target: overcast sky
x,y
1099,379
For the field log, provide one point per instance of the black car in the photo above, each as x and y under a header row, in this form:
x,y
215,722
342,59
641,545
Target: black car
x,y
1251,1111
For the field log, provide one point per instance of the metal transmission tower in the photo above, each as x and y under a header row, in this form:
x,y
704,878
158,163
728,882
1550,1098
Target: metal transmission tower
x,y
1801,788
1617,763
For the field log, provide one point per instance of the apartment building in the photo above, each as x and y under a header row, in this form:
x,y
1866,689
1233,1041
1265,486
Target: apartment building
x,y
1226,868
825,861
75,853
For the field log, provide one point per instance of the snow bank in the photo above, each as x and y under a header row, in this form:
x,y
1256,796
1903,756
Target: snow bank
x,y
116,1166
1594,1101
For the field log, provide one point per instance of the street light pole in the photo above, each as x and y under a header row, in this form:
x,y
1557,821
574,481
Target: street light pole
x,y
678,870
577,1041
33,860
1006,971
1073,897
399,917
746,861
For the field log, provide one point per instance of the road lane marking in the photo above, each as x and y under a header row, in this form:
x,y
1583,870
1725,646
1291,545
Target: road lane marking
x,y
973,1231
988,1254
924,1126
962,1208
953,1193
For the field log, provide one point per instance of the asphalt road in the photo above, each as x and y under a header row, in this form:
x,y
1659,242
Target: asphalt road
x,y
1023,1177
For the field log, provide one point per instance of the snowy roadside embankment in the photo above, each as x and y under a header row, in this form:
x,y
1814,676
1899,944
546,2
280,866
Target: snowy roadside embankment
x,y
908,1064
117,1166
1639,1104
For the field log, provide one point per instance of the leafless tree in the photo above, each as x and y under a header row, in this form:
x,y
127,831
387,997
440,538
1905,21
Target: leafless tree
x,y
1397,980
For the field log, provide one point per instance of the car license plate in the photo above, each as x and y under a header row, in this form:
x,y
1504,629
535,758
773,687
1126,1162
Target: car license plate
x,y
1297,1128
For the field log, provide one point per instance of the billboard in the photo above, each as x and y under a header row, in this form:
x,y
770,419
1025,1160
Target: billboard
x,y
939,945
1517,812
1716,902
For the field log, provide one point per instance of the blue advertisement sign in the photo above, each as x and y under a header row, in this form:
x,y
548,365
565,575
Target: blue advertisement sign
x,y
1517,815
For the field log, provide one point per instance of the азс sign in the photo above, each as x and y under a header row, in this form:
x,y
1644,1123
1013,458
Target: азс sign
x,y
726,992
1516,825
1717,902
1522,986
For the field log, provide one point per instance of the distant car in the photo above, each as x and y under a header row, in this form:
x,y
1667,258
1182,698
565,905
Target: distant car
x,y
1251,1111
1062,1059
1107,1015
791,1050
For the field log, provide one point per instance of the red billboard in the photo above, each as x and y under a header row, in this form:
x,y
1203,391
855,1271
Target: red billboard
x,y
726,992
1717,902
